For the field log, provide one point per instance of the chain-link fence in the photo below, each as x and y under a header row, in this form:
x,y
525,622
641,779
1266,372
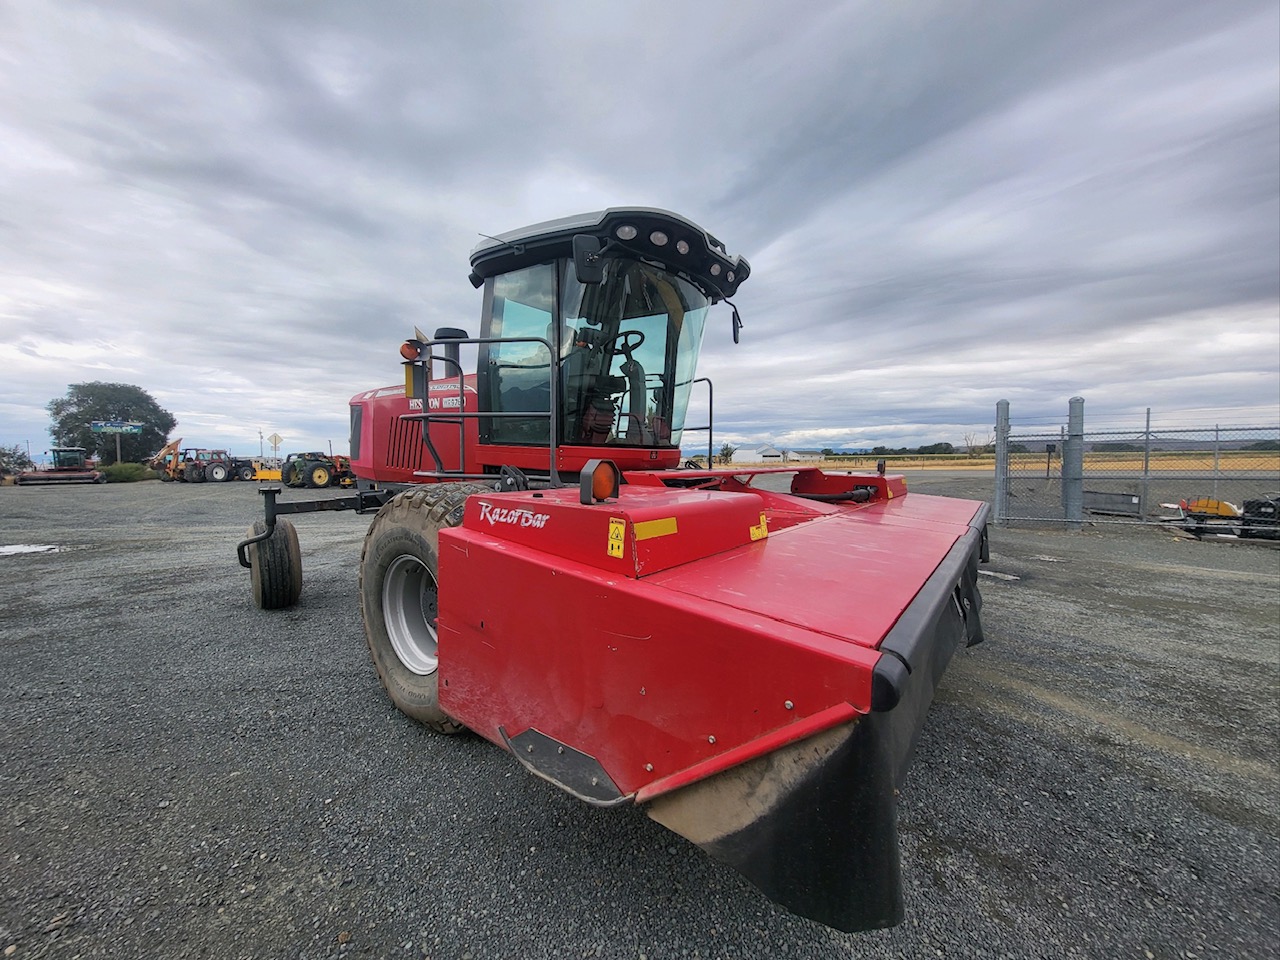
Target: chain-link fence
x,y
1071,475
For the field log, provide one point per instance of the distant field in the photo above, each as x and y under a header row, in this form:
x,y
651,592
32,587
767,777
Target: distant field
x,y
1231,461
892,464
1228,461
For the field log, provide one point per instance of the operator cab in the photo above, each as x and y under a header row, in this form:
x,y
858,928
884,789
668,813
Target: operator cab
x,y
68,458
625,336
590,331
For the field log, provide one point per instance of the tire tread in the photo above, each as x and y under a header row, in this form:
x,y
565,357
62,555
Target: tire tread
x,y
276,566
431,508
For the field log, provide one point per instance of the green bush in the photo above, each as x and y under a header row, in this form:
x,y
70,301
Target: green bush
x,y
128,473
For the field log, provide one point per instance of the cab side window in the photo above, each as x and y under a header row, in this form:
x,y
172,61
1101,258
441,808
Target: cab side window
x,y
519,373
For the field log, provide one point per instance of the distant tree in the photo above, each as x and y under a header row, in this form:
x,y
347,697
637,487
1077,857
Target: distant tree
x,y
976,446
828,452
907,451
1113,446
14,460
1018,448
1263,445
86,402
726,453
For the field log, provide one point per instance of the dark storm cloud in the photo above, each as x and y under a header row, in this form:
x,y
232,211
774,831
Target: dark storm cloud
x,y
910,75
944,203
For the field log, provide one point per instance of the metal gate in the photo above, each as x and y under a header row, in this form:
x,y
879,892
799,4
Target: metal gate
x,y
1070,476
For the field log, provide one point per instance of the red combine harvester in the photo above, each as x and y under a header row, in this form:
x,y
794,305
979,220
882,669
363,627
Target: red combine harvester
x,y
752,667
69,465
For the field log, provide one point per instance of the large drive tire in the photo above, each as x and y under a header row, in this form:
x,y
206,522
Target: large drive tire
x,y
193,473
216,472
166,477
245,473
399,598
287,472
275,566
318,475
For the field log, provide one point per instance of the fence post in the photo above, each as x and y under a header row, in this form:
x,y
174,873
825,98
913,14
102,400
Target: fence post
x,y
1073,465
1002,462
1217,430
1145,490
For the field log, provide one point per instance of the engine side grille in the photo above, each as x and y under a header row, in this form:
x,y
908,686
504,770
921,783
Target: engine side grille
x,y
404,444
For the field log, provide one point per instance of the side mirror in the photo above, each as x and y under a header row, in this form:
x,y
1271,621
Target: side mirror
x,y
737,323
586,259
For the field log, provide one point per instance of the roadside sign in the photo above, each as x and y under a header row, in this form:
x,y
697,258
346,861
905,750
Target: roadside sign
x,y
115,426
275,439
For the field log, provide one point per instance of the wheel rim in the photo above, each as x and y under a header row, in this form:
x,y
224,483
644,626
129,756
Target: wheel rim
x,y
321,476
409,602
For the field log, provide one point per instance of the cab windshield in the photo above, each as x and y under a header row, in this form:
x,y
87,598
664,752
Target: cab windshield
x,y
627,351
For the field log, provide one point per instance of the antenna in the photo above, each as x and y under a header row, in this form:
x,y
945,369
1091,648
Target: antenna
x,y
517,247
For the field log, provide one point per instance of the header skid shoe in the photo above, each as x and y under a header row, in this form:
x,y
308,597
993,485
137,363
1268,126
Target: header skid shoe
x,y
812,825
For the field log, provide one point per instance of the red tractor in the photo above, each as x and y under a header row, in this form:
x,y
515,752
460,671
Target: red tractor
x,y
198,464
752,667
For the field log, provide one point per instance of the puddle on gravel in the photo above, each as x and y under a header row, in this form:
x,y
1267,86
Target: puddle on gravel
x,y
16,548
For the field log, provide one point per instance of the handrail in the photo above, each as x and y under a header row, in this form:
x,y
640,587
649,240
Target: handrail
x,y
711,418
459,416
552,416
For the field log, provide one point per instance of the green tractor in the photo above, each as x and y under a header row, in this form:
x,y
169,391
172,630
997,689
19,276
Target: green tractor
x,y
316,470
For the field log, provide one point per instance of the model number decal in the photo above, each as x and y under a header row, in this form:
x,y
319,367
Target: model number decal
x,y
514,516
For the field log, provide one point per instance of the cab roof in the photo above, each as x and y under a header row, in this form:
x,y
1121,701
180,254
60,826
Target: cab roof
x,y
643,232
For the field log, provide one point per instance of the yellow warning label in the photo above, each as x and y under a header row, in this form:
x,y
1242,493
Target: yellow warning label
x,y
648,529
762,530
617,536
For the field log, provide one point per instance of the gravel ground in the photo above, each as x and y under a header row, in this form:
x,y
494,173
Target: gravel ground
x,y
182,775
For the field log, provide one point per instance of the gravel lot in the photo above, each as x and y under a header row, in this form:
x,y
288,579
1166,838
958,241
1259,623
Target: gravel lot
x,y
182,775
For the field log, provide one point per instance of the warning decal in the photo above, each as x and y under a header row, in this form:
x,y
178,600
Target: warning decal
x,y
617,536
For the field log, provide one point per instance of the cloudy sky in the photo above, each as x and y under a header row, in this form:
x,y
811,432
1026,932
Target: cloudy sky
x,y
244,207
